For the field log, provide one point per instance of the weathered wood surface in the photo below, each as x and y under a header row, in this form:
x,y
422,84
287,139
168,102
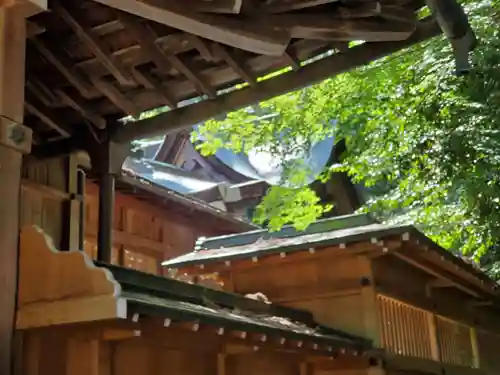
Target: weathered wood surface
x,y
147,229
61,287
15,140
90,63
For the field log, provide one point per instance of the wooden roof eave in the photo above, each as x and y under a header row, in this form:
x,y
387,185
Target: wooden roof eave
x,y
314,72
187,201
413,247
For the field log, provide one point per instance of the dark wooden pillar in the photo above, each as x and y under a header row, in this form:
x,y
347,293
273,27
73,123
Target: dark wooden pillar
x,y
107,160
106,216
15,140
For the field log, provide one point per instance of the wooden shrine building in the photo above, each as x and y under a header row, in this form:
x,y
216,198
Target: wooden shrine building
x,y
426,310
81,75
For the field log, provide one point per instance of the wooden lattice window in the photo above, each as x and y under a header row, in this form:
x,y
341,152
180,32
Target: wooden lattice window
x,y
404,329
455,345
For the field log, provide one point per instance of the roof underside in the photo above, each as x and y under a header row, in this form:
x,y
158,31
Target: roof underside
x,y
89,65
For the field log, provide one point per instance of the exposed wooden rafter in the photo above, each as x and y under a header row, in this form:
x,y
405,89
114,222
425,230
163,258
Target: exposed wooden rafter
x,y
82,108
217,6
145,78
326,27
86,36
62,64
291,59
307,75
202,46
33,29
246,35
41,91
233,62
164,60
280,6
111,92
49,119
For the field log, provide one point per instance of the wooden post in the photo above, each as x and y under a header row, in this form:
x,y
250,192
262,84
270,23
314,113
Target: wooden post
x,y
433,338
369,303
107,159
15,140
71,222
106,216
433,329
476,354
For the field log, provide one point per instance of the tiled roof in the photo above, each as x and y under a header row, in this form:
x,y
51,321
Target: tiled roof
x,y
179,301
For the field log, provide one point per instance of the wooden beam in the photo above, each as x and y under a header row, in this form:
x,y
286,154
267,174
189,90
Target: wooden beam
x,y
409,256
233,62
33,29
291,59
260,39
354,10
280,6
164,60
116,97
217,6
329,27
192,76
147,41
81,107
100,51
47,118
440,283
63,65
41,91
312,73
146,79
202,46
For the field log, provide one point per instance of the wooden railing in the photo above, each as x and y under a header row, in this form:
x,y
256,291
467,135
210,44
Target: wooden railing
x,y
405,329
409,331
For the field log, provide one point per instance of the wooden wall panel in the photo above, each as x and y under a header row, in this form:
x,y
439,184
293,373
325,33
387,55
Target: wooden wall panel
x,y
43,195
344,312
277,285
389,270
488,346
327,286
139,357
260,363
144,234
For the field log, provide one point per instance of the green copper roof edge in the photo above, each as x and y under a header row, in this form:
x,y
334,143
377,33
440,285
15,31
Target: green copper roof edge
x,y
291,248
324,225
174,289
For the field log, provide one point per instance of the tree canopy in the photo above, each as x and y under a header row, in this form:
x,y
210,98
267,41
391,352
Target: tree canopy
x,y
429,138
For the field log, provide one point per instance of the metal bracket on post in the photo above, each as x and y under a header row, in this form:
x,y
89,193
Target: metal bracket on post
x,y
107,159
15,135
